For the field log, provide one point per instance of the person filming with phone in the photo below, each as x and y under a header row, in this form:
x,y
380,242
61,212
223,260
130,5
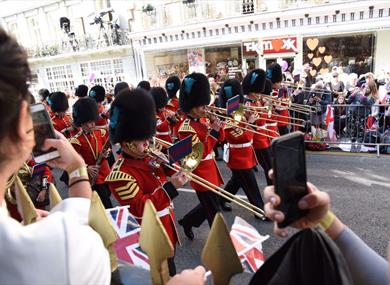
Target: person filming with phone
x,y
351,262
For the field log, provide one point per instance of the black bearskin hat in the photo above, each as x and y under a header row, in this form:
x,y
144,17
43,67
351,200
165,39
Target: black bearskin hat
x,y
120,86
144,85
43,93
254,81
172,85
194,92
268,87
98,93
159,96
58,102
230,89
85,110
81,91
274,73
133,116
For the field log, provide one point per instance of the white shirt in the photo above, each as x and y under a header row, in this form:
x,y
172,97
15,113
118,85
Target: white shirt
x,y
60,249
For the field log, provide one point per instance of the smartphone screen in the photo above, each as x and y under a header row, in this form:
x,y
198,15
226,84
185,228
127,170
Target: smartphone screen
x,y
43,129
289,165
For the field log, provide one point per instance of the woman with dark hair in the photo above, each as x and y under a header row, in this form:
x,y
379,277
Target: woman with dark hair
x,y
53,250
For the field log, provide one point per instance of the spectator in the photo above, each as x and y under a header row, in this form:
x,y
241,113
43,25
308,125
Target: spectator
x,y
340,114
365,265
320,98
337,86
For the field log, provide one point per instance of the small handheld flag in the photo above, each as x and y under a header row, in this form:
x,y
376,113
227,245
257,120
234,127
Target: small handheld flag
x,y
180,149
233,104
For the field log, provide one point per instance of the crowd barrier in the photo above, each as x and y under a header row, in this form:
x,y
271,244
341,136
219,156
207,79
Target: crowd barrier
x,y
356,128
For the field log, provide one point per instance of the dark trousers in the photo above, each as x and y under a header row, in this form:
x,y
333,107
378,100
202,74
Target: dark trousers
x,y
171,266
246,179
283,130
206,209
264,158
104,194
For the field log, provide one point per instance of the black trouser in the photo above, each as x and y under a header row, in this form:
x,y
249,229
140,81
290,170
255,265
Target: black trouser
x,y
283,130
171,266
246,179
264,158
104,194
206,209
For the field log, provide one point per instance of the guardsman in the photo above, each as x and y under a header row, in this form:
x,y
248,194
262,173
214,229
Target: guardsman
x,y
163,118
274,79
239,155
172,86
194,97
253,86
92,144
62,121
136,177
98,93
81,91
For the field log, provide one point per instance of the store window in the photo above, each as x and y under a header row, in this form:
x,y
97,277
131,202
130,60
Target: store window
x,y
161,65
355,53
224,62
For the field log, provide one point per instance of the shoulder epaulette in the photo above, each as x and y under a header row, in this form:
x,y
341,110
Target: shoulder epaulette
x,y
102,132
75,140
186,127
116,174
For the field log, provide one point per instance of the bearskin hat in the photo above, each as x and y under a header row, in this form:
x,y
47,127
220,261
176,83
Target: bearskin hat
x,y
98,93
144,85
85,110
120,86
194,92
159,96
274,73
133,116
254,81
268,87
81,91
172,85
58,102
230,89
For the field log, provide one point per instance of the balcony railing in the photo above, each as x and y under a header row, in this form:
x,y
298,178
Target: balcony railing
x,y
78,44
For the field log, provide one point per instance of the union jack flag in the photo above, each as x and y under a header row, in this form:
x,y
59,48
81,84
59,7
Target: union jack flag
x,y
127,246
248,244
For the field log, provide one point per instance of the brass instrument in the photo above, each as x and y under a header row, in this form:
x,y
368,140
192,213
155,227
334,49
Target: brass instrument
x,y
188,167
235,123
287,103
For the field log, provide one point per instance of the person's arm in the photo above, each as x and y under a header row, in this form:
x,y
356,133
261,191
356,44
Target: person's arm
x,y
366,266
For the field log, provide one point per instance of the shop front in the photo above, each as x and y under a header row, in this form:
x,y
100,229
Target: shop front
x,y
262,53
352,53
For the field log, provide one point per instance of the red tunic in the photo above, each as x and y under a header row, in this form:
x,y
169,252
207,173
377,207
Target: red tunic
x,y
241,152
259,141
134,181
207,168
90,146
61,124
173,106
103,121
162,127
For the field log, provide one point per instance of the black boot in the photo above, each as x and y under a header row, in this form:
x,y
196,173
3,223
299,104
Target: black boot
x,y
226,207
187,230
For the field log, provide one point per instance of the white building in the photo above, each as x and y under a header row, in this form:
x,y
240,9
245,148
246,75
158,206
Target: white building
x,y
158,38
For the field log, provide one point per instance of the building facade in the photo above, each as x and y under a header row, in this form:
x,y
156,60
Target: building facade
x,y
109,41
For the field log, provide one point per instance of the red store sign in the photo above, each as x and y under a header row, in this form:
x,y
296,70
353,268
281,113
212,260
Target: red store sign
x,y
271,46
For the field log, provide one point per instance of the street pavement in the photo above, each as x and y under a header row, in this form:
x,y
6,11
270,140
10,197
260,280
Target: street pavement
x,y
359,187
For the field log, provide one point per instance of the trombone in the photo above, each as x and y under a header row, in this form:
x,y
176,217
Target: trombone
x,y
287,103
237,118
189,165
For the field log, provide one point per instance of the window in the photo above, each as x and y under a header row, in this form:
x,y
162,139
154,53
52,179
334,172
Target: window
x,y
264,26
293,22
309,21
248,6
60,78
317,20
352,16
361,15
326,19
242,28
271,25
285,23
301,21
278,23
106,72
371,12
343,17
380,13
256,27
334,18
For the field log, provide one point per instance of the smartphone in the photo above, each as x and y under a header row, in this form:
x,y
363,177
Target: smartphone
x,y
43,129
289,166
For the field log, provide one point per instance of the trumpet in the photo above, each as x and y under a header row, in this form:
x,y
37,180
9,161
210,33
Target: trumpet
x,y
187,169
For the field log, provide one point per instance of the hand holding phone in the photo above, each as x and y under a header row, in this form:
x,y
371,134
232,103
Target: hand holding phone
x,y
43,129
289,167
